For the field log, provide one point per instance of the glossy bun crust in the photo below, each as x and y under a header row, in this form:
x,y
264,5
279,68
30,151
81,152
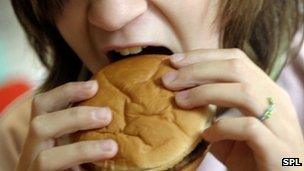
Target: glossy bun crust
x,y
151,131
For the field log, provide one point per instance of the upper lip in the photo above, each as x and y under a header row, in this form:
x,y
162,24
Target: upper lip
x,y
106,49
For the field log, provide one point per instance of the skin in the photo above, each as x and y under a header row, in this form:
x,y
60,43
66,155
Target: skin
x,y
224,77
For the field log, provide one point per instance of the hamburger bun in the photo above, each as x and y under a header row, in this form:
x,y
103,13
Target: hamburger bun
x,y
152,132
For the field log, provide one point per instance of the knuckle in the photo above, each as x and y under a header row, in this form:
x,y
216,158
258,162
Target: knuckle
x,y
238,52
248,93
74,90
83,149
246,89
202,94
250,99
251,127
37,100
42,160
68,86
237,66
69,89
37,126
188,72
76,114
39,129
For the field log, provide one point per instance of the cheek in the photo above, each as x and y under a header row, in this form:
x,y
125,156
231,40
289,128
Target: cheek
x,y
73,26
195,22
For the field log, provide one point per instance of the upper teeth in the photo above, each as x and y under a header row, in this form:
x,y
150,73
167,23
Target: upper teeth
x,y
131,50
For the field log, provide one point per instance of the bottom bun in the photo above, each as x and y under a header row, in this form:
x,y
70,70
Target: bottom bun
x,y
190,163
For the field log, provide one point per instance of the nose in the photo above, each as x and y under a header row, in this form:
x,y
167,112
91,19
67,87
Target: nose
x,y
112,15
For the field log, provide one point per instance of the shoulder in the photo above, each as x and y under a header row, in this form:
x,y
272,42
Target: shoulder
x,y
14,125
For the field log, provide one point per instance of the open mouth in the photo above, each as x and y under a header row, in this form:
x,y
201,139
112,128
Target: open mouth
x,y
115,55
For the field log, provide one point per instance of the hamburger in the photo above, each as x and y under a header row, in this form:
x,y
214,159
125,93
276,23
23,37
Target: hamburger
x,y
152,132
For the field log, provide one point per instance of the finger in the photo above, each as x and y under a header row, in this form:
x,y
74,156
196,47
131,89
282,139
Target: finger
x,y
233,153
240,96
232,70
74,154
204,55
222,149
248,129
236,95
57,124
62,96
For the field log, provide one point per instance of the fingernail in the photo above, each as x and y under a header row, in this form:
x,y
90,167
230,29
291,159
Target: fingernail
x,y
183,95
108,146
169,77
177,57
89,84
102,114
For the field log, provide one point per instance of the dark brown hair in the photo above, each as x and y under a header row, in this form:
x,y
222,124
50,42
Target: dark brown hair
x,y
264,29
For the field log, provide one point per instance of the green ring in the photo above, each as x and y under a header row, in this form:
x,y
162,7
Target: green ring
x,y
268,113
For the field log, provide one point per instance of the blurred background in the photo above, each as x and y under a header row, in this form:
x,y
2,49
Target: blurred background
x,y
20,69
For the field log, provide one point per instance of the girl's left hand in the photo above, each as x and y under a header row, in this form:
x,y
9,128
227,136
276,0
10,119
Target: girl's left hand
x,y
228,78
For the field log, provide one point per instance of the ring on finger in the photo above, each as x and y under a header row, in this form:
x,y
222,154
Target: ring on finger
x,y
268,112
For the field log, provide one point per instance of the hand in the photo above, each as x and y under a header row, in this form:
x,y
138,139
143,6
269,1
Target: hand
x,y
50,120
228,78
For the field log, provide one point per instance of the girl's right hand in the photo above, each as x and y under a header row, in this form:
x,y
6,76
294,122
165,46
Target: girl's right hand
x,y
50,120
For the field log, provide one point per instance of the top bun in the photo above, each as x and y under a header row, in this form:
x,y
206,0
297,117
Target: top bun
x,y
151,131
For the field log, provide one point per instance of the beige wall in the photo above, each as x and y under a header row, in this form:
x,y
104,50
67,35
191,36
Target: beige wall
x,y
17,57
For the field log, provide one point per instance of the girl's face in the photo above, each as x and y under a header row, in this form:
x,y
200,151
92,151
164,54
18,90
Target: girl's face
x,y
94,27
